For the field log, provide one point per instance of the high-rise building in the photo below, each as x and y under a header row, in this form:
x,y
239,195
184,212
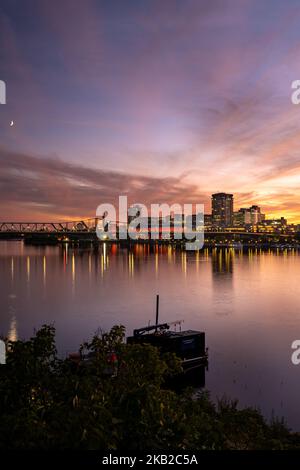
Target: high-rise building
x,y
222,209
256,215
207,220
248,216
242,217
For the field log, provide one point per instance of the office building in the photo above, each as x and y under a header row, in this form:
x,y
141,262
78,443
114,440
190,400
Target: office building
x,y
222,210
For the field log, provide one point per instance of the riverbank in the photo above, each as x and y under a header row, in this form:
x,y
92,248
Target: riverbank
x,y
48,403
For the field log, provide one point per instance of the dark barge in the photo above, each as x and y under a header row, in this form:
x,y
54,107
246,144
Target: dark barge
x,y
188,345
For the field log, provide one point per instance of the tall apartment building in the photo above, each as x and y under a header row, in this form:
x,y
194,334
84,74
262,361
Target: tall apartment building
x,y
222,209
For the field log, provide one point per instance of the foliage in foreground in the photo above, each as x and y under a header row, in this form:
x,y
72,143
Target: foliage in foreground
x,y
46,402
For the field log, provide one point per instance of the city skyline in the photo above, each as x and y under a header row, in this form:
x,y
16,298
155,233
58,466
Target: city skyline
x,y
235,217
142,98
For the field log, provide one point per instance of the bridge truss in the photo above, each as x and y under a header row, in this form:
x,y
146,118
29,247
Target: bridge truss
x,y
86,225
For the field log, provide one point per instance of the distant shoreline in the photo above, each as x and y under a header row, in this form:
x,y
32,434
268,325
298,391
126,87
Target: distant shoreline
x,y
233,240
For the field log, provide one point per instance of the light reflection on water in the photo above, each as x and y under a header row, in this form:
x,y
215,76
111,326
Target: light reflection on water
x,y
246,302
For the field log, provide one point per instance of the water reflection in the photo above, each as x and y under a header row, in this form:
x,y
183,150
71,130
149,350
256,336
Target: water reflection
x,y
194,378
12,268
131,264
73,273
44,270
103,258
28,268
12,334
222,262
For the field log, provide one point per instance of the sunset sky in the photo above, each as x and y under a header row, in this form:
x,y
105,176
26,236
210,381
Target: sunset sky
x,y
161,100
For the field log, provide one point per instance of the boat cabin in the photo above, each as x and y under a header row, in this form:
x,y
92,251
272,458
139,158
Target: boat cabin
x,y
188,345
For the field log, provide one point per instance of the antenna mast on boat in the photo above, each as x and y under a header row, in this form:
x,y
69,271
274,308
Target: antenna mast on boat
x,y
157,311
